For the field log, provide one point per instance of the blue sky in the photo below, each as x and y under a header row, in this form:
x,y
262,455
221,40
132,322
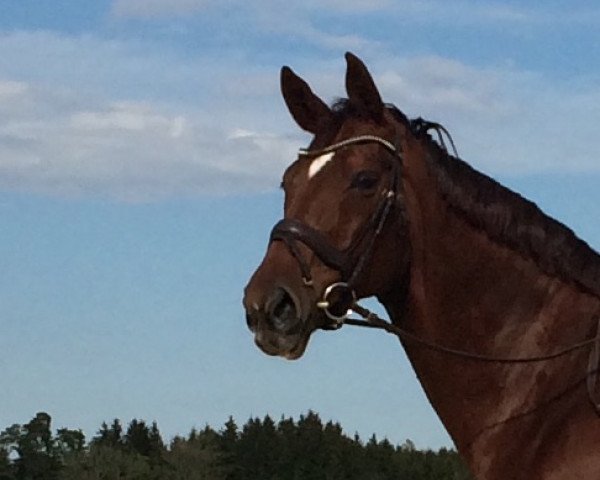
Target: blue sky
x,y
141,146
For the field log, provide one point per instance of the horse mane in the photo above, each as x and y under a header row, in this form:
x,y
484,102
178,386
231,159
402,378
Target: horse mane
x,y
505,216
510,219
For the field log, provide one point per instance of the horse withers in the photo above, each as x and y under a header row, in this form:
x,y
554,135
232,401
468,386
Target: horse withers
x,y
375,207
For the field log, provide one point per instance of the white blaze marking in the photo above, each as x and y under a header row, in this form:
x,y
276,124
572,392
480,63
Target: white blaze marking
x,y
318,163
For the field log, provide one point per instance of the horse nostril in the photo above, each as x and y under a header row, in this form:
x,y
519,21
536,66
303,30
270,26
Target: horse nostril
x,y
251,321
281,310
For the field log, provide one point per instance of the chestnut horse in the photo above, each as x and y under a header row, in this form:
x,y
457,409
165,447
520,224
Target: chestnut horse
x,y
470,273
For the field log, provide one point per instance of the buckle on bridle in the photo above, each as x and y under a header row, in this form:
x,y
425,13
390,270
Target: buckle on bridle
x,y
337,302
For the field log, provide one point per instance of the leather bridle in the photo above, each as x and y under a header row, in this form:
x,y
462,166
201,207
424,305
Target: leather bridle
x,y
339,297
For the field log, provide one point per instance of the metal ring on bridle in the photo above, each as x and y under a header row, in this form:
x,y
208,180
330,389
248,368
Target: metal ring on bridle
x,y
325,304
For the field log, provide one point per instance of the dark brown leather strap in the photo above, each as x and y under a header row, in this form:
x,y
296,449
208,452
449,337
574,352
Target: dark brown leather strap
x,y
289,230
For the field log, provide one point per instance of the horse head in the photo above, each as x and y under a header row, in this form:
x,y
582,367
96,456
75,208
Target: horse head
x,y
343,215
496,303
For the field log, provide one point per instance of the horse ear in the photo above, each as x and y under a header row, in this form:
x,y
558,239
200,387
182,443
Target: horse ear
x,y
361,87
309,111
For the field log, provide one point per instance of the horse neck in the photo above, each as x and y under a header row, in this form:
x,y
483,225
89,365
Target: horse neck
x,y
471,293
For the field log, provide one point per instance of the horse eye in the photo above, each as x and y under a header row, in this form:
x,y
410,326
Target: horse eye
x,y
365,180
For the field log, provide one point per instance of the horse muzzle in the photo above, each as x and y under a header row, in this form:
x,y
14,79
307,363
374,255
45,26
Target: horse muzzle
x,y
277,321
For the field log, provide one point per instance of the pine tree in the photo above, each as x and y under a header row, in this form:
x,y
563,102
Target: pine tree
x,y
137,438
199,457
110,436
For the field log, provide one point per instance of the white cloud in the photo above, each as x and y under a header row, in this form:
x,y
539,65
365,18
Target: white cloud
x,y
434,83
130,151
194,130
503,120
134,123
123,117
11,89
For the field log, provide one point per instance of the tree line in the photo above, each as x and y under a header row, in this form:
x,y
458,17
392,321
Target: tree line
x,y
262,449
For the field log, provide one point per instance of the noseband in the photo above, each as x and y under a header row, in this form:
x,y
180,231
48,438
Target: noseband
x,y
340,296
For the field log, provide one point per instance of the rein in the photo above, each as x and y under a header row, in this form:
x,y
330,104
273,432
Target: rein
x,y
372,320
